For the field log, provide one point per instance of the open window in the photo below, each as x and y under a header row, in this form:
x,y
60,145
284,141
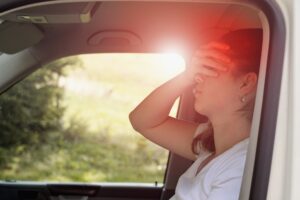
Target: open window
x,y
68,121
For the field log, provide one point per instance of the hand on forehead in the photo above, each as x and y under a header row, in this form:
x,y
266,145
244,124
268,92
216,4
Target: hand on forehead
x,y
210,60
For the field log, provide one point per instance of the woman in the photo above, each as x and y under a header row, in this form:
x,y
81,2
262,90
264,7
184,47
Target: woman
x,y
224,76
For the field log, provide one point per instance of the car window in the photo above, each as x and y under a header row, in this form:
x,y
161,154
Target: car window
x,y
68,121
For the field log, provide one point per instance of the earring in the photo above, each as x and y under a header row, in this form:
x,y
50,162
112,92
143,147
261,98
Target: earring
x,y
243,99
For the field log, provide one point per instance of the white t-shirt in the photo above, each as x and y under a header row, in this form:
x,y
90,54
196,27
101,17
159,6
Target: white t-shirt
x,y
220,179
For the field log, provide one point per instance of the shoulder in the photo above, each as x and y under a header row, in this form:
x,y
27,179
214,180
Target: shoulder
x,y
231,164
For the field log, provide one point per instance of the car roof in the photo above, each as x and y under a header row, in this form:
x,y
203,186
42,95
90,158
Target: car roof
x,y
10,4
143,25
111,27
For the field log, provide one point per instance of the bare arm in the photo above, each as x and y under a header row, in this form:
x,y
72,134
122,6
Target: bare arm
x,y
151,118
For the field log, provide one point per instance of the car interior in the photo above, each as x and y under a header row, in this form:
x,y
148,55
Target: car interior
x,y
34,34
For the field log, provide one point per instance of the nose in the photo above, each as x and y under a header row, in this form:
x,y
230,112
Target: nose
x,y
199,79
198,86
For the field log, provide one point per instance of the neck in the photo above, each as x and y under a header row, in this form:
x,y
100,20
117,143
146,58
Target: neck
x,y
229,130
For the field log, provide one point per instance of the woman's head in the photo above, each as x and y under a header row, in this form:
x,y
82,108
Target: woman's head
x,y
245,49
235,89
232,92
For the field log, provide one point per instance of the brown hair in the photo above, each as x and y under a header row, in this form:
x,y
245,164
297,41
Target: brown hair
x,y
245,52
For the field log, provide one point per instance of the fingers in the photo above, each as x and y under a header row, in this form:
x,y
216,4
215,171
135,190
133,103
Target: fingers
x,y
216,45
211,64
214,54
207,66
210,60
216,50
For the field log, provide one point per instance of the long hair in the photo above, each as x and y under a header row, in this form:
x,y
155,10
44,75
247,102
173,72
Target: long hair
x,y
245,52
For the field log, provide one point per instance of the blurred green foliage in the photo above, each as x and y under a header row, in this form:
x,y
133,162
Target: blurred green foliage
x,y
50,133
32,109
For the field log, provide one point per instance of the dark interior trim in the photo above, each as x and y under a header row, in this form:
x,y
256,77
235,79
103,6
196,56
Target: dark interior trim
x,y
266,136
37,191
11,4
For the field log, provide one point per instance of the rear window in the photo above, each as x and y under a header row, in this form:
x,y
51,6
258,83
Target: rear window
x,y
68,121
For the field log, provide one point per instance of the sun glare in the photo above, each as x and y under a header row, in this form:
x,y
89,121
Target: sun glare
x,y
166,64
173,63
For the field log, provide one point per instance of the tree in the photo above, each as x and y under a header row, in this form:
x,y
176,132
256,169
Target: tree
x,y
31,109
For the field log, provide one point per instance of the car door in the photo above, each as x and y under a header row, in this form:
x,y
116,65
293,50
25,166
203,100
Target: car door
x,y
35,34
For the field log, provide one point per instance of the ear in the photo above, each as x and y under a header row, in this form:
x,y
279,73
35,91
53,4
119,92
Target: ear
x,y
248,83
